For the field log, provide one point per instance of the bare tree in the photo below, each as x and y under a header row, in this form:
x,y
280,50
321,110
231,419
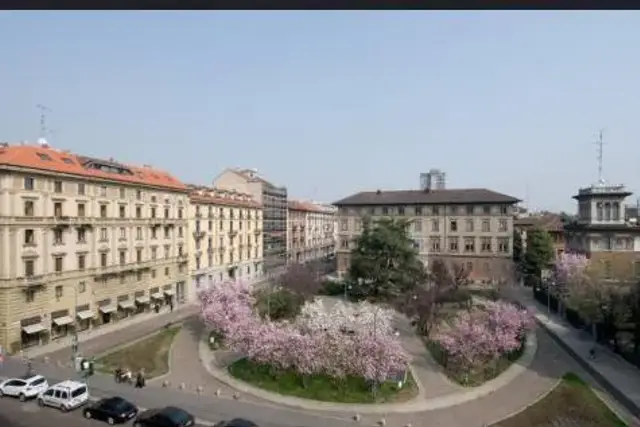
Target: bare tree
x,y
301,280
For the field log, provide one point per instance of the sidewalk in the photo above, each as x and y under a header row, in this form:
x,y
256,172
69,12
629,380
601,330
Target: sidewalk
x,y
617,376
99,340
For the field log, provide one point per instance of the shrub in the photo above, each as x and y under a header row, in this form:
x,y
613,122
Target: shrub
x,y
280,304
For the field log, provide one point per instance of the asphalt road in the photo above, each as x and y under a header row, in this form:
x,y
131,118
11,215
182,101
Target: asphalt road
x,y
13,413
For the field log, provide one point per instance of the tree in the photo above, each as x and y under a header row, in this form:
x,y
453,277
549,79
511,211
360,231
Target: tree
x,y
517,248
538,255
385,263
301,280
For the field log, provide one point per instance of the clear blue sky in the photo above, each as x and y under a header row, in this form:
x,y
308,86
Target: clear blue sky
x,y
337,102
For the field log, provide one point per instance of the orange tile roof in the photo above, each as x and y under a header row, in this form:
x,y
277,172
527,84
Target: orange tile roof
x,y
47,159
296,205
215,196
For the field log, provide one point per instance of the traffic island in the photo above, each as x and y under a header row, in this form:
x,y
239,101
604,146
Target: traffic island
x,y
571,403
150,354
322,387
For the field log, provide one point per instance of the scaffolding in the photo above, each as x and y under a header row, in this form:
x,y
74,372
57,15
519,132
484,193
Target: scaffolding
x,y
274,233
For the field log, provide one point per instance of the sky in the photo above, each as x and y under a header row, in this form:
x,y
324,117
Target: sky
x,y
332,103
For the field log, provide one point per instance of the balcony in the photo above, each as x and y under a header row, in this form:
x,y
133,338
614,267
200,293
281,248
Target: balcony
x,y
199,234
31,281
198,214
233,233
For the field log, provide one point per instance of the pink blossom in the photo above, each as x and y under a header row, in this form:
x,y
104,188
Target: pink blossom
x,y
570,267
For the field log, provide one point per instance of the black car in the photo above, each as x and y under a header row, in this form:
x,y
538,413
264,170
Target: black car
x,y
169,416
113,410
236,422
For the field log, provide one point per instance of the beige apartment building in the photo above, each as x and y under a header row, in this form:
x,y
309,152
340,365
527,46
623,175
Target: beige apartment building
x,y
311,231
225,237
85,242
469,226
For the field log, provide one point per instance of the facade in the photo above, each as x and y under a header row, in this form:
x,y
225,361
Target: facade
x,y
225,236
273,200
85,242
551,223
311,231
470,226
602,233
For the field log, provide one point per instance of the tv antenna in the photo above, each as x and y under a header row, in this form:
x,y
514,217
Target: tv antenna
x,y
43,119
600,143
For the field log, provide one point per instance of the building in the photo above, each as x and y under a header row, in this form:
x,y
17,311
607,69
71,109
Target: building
x,y
435,179
549,222
85,242
273,200
470,226
602,233
311,229
225,236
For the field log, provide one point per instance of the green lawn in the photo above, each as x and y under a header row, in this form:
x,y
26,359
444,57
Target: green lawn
x,y
571,404
151,354
320,387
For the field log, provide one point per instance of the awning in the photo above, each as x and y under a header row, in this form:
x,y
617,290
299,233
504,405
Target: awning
x,y
34,329
142,300
168,292
157,295
64,320
125,305
84,315
108,309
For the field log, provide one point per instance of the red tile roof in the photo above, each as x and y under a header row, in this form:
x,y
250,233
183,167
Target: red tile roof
x,y
295,205
47,159
216,196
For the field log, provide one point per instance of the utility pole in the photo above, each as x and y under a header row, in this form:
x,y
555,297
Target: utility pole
x,y
599,143
43,117
74,338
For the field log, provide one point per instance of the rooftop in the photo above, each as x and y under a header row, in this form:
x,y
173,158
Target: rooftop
x,y
217,196
46,159
547,221
419,197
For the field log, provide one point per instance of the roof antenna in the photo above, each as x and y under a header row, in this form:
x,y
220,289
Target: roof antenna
x,y
600,144
43,126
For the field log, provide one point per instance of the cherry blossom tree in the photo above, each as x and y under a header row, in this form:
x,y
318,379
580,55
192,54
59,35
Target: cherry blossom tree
x,y
315,315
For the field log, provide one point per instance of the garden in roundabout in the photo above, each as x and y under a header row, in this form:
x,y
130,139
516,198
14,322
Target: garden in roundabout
x,y
294,341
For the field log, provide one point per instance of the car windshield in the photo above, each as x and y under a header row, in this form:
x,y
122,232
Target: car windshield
x,y
79,391
176,415
117,404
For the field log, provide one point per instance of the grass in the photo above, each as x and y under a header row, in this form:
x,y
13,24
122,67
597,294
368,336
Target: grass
x,y
150,354
320,387
477,376
571,404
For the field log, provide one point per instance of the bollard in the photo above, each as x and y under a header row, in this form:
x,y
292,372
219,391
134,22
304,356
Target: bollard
x,y
218,392
46,360
236,396
382,422
182,386
199,389
356,417
166,383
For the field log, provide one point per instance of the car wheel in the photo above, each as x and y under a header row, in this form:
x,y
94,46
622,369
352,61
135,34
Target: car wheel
x,y
22,397
110,421
64,408
87,414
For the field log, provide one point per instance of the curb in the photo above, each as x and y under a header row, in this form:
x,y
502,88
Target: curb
x,y
606,384
415,405
527,406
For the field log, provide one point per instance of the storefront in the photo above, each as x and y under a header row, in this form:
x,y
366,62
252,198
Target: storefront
x,y
61,323
169,294
142,302
126,307
33,332
84,317
107,311
157,298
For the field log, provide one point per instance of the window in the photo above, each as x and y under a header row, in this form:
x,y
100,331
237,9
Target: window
x,y
636,268
81,189
435,225
82,287
418,210
81,262
139,275
153,212
210,225
28,208
138,212
123,233
453,244
385,210
180,213
166,269
59,292
139,233
57,236
469,244
103,234
153,199
82,235
44,156
103,259
504,209
180,250
123,257
57,186
29,268
58,264
615,213
57,209
28,183
468,226
123,211
599,211
486,226
123,193
453,225
103,191
469,210
103,211
29,295
154,233
138,195
81,210
607,269
167,233
435,244
400,210
138,255
486,210
153,274
29,237
485,244
417,225
167,251
503,245
502,225
154,253
179,231
166,213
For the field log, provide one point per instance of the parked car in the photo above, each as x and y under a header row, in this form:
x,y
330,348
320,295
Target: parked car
x,y
236,422
26,387
113,410
65,396
169,416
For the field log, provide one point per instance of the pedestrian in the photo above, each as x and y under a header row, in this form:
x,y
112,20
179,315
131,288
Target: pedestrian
x,y
171,306
156,308
140,382
592,353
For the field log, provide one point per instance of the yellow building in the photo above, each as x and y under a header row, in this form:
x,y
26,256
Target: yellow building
x,y
311,231
225,237
84,242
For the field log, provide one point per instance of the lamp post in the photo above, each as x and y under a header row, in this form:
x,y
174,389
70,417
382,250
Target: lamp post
x,y
74,338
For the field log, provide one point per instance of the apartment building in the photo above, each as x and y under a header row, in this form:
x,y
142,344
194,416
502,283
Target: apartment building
x,y
225,240
273,200
85,242
549,222
469,226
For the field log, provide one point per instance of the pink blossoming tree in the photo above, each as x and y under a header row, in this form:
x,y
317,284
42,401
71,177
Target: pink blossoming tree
x,y
229,309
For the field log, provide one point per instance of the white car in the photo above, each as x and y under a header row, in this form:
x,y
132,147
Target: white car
x,y
26,387
65,396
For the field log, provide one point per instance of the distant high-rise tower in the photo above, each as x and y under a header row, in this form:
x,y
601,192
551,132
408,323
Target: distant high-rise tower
x,y
435,179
